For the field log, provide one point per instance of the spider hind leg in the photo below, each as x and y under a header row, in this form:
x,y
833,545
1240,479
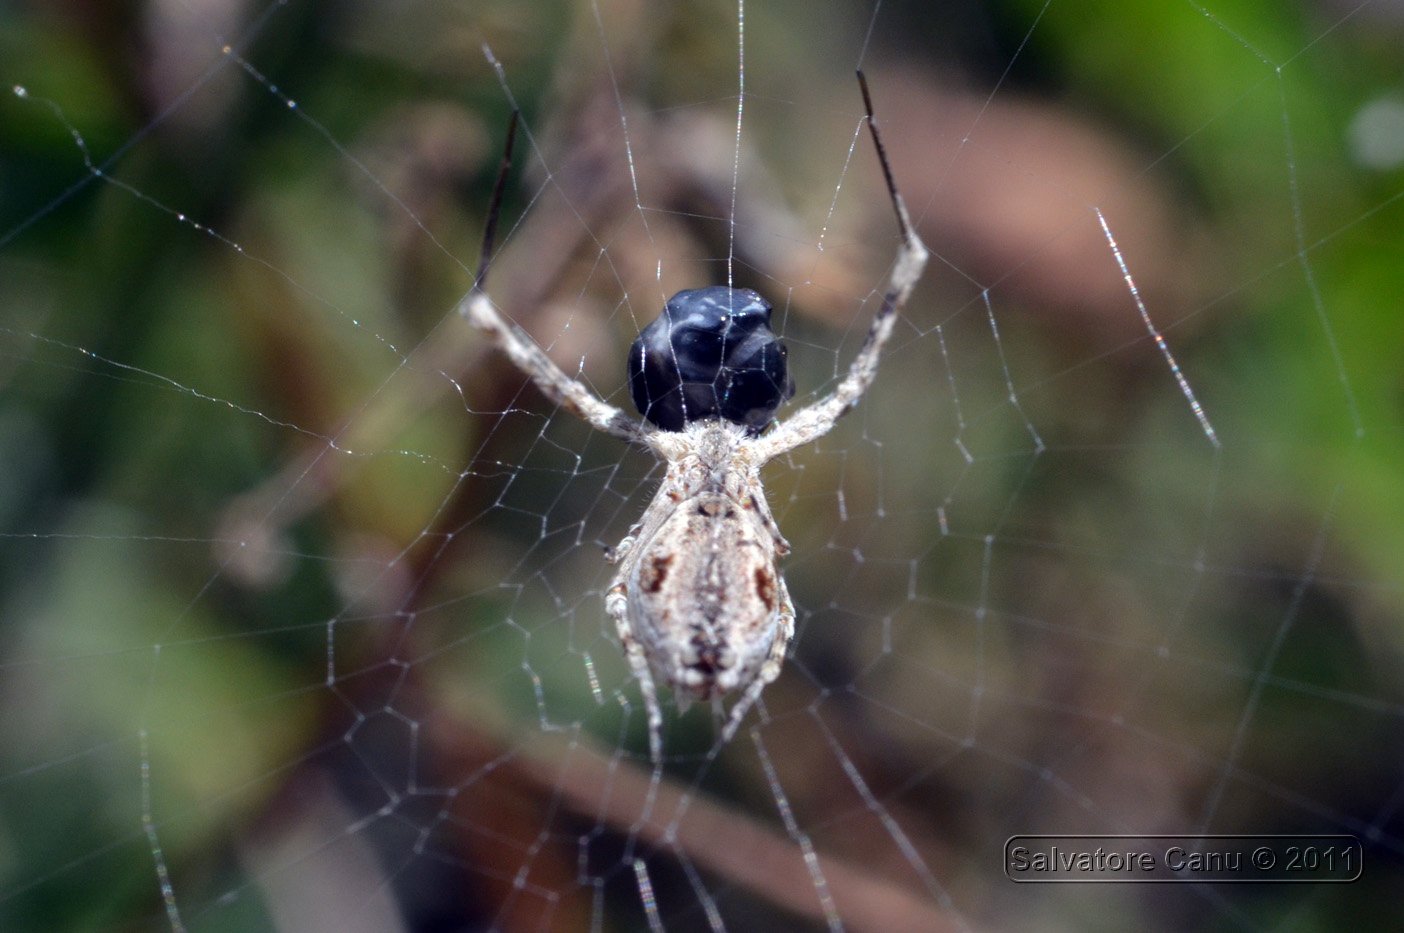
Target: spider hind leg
x,y
617,608
770,670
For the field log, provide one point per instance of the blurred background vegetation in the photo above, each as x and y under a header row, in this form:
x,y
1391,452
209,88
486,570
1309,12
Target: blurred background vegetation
x,y
300,589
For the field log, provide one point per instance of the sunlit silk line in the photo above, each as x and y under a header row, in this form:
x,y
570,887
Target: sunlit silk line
x,y
736,153
1039,446
628,143
1175,370
158,855
1318,303
252,31
838,189
151,378
101,171
341,150
799,836
650,903
1264,672
893,829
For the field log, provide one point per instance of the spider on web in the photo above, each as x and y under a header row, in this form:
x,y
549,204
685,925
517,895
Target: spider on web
x,y
698,601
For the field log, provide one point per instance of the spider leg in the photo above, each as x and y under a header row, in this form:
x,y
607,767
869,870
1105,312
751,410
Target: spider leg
x,y
653,517
617,608
767,518
814,421
626,544
785,622
549,379
518,345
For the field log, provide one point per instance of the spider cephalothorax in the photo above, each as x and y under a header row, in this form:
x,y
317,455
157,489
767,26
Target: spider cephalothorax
x,y
698,600
711,354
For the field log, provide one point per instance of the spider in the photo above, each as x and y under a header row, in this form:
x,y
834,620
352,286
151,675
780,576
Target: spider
x,y
698,601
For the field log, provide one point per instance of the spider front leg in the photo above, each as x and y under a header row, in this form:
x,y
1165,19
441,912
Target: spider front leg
x,y
617,608
762,507
518,345
770,669
814,421
549,379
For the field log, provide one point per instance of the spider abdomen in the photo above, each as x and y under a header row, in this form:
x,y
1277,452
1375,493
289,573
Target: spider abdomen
x,y
710,354
703,597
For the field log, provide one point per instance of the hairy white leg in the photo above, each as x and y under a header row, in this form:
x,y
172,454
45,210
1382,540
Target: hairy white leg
x,y
617,608
782,547
550,379
517,344
785,622
816,420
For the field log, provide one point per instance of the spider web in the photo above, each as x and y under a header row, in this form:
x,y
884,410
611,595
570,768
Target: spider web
x,y
302,583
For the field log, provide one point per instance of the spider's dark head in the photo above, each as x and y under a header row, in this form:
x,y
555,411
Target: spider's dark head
x,y
710,354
